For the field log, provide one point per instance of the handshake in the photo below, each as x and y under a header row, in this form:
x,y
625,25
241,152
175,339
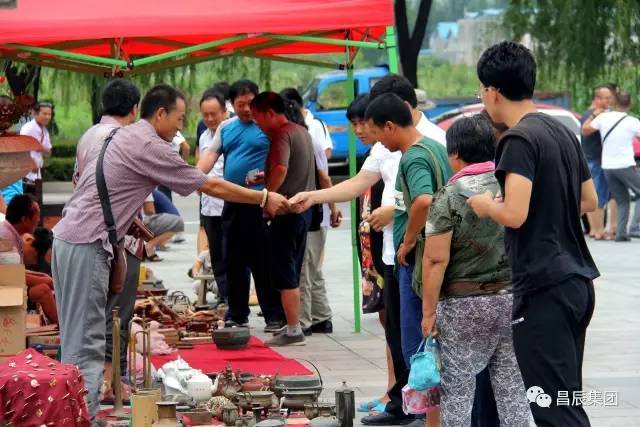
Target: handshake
x,y
277,204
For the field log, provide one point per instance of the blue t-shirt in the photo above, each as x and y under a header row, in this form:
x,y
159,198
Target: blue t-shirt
x,y
245,147
12,190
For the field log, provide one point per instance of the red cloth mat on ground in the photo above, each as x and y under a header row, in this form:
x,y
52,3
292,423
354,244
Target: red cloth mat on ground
x,y
256,358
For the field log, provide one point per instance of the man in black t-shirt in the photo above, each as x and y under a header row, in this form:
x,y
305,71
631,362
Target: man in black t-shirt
x,y
546,187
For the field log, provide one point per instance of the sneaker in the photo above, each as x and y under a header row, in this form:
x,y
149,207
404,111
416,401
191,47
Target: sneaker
x,y
178,238
635,234
275,326
623,239
325,327
283,340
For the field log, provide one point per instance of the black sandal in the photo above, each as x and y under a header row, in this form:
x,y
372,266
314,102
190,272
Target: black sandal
x,y
154,258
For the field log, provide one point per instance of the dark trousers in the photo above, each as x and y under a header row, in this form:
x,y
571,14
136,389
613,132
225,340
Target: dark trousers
x,y
213,228
166,191
549,329
287,243
246,252
125,302
392,334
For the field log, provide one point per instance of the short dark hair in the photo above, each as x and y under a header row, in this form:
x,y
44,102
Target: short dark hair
x,y
21,206
119,97
293,95
160,96
42,104
357,108
394,83
389,107
623,99
242,87
222,88
212,93
268,101
472,139
595,90
510,68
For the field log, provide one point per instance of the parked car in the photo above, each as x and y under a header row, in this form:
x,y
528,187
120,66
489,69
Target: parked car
x,y
566,117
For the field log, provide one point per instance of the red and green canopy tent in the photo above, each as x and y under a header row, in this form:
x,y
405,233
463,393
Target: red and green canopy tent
x,y
132,37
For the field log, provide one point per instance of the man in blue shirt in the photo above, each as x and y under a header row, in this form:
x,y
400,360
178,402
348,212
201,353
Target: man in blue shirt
x,y
245,150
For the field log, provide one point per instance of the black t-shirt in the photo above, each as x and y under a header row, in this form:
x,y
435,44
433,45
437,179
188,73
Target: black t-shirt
x,y
550,247
591,144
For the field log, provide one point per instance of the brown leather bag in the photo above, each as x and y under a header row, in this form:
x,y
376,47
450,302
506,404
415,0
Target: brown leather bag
x,y
118,270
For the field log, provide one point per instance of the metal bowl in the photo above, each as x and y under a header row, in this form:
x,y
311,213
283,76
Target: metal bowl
x,y
231,338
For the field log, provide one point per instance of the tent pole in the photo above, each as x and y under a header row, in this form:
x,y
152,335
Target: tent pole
x,y
324,41
354,219
392,53
67,55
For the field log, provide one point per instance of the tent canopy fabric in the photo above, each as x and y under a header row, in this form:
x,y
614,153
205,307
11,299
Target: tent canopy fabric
x,y
96,35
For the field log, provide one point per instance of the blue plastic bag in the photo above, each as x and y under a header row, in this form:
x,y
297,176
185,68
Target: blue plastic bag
x,y
425,366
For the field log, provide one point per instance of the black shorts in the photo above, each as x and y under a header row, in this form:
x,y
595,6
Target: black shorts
x,y
287,242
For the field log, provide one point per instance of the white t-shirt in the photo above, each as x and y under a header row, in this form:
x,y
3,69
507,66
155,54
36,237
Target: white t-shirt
x,y
319,143
431,130
41,134
385,163
211,206
318,130
617,148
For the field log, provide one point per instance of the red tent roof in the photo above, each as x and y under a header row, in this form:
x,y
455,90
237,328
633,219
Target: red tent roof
x,y
139,28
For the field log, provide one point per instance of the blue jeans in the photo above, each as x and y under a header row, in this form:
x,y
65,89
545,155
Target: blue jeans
x,y
600,182
410,314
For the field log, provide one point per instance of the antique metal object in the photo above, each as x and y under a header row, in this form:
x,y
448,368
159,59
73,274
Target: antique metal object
x,y
297,383
297,399
324,422
272,422
146,354
116,379
345,405
247,399
228,384
230,414
319,409
231,338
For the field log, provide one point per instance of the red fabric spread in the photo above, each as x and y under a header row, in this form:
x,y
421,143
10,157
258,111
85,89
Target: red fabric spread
x,y
256,358
184,23
36,390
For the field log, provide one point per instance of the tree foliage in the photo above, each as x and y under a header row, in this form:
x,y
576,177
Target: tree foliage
x,y
580,43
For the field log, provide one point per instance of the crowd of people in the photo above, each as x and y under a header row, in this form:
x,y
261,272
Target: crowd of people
x,y
482,244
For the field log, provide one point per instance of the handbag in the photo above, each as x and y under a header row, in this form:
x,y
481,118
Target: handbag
x,y
118,270
419,248
425,367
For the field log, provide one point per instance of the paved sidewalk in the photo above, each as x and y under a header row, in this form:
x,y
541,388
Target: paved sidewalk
x,y
612,350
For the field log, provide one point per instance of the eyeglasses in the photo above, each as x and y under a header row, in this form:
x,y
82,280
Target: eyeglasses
x,y
485,89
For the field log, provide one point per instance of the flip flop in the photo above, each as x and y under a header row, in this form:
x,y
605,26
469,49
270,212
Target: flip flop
x,y
369,406
154,258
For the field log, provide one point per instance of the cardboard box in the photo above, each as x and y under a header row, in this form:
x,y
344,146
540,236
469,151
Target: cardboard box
x,y
13,309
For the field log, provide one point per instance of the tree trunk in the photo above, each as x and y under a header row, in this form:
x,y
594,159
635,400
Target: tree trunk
x,y
23,80
409,45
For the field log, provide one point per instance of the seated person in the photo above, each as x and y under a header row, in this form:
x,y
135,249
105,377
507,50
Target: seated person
x,y
37,250
163,226
22,217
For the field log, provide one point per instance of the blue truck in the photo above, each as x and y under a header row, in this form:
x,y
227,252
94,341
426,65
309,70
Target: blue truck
x,y
326,98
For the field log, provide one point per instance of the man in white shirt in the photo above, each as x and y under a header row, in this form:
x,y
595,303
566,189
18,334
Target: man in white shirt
x,y
213,110
318,131
37,128
618,129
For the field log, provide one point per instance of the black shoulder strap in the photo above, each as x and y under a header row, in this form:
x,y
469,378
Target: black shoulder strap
x,y
103,193
613,127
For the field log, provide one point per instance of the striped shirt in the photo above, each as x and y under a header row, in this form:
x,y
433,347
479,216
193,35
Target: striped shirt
x,y
136,161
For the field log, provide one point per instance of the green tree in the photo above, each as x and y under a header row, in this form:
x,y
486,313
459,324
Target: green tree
x,y
580,43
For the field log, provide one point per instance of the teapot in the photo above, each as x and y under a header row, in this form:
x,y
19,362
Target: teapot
x,y
200,387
